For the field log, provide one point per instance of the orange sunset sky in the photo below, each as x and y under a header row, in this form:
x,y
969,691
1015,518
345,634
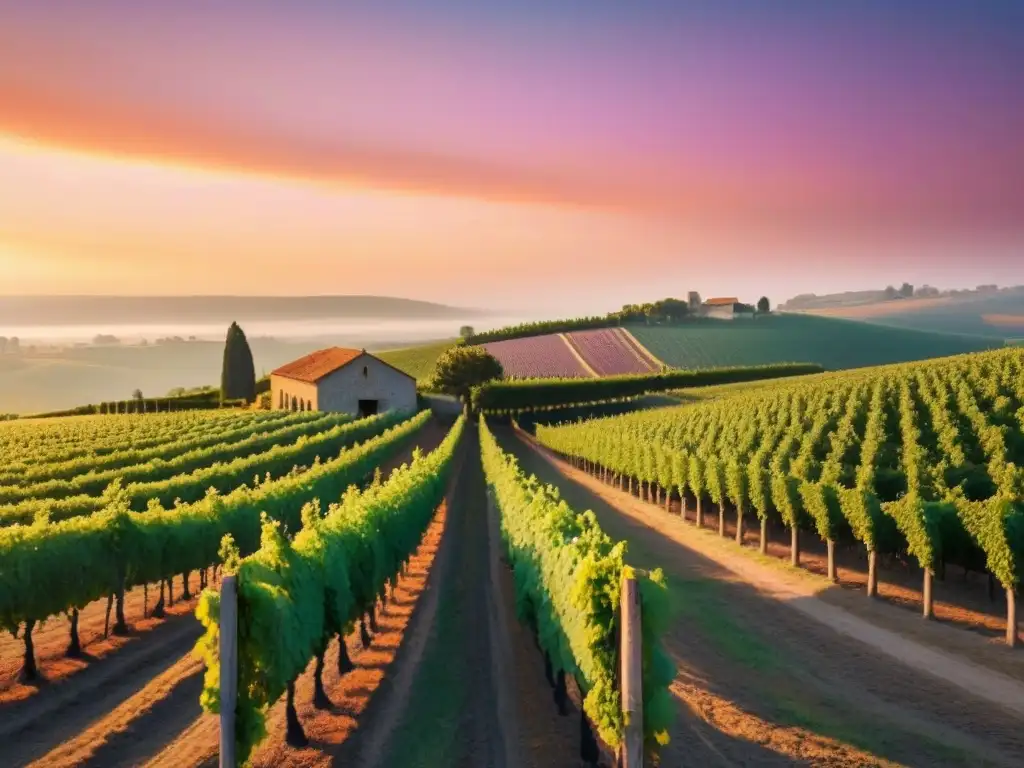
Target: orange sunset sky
x,y
536,158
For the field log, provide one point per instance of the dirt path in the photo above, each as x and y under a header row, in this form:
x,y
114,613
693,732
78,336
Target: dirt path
x,y
478,698
769,674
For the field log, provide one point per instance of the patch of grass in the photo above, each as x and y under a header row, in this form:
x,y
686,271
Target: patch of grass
x,y
877,739
428,731
702,603
418,361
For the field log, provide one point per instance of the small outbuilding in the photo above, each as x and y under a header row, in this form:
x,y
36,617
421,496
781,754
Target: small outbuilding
x,y
340,380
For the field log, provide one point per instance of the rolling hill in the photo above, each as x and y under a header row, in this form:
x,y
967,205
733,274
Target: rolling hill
x,y
999,315
830,342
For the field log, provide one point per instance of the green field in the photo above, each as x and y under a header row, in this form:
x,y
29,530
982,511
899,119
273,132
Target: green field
x,y
832,343
416,361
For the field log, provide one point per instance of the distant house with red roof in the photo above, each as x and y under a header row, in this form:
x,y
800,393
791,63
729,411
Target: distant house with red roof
x,y
341,380
726,308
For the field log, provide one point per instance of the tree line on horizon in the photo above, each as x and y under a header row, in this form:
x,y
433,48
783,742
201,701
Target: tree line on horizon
x,y
892,293
665,311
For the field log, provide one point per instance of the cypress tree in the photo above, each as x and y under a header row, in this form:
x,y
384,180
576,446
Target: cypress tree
x,y
238,377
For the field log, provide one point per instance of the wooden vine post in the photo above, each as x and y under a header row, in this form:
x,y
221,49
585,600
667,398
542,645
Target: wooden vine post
x,y
228,669
631,655
872,573
1011,618
928,610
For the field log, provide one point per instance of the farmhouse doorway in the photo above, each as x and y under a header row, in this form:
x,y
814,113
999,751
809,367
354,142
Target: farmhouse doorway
x,y
367,408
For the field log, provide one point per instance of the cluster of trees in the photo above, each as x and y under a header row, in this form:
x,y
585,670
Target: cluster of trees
x,y
663,311
461,368
185,391
10,346
140,404
172,340
905,291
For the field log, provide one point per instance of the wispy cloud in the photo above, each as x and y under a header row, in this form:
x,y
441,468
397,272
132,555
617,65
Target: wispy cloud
x,y
861,119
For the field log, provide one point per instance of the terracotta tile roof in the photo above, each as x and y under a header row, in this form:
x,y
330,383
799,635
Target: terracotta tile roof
x,y
721,302
316,365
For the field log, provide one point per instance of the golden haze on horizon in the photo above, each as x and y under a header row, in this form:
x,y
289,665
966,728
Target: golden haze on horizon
x,y
99,223
86,222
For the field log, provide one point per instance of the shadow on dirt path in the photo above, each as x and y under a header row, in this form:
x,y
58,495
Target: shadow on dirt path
x,y
479,699
760,683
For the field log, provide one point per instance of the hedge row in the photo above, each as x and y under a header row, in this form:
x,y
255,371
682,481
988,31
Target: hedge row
x,y
197,401
539,393
539,328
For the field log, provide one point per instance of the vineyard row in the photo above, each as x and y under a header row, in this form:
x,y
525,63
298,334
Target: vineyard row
x,y
189,487
295,596
568,577
923,458
51,568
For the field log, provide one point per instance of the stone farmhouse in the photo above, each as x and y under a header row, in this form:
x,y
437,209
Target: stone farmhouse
x,y
340,380
726,308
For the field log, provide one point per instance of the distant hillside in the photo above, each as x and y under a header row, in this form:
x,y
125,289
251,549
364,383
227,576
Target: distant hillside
x,y
150,310
832,343
891,296
998,315
66,378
